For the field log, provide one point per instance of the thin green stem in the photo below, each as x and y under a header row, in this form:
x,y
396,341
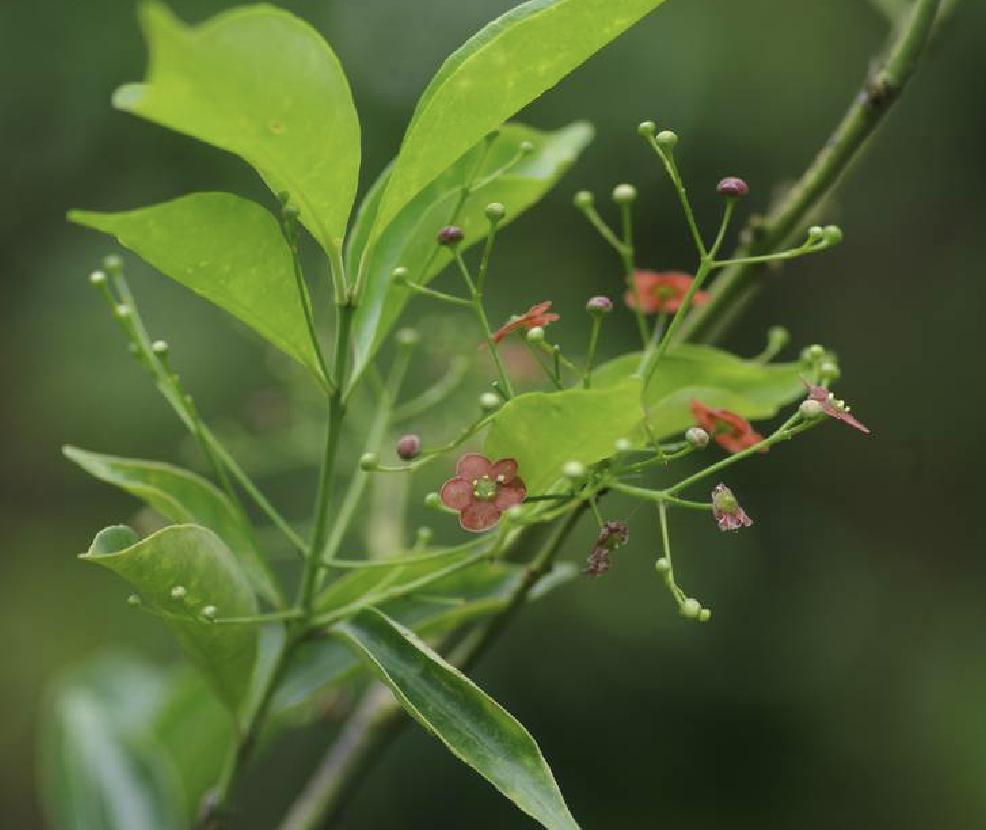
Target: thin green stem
x,y
590,358
671,167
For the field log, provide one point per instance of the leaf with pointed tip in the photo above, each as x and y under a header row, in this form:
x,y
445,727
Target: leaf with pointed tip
x,y
473,726
262,84
198,561
99,767
409,240
497,72
185,498
228,250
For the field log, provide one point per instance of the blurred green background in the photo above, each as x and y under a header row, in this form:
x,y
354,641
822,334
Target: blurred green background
x,y
842,681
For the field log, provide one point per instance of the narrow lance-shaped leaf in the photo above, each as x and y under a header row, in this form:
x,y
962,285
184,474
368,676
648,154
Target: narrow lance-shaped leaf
x,y
228,250
185,498
178,572
496,73
410,239
469,722
263,84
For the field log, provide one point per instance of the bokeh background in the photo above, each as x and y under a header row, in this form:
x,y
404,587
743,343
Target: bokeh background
x,y
842,681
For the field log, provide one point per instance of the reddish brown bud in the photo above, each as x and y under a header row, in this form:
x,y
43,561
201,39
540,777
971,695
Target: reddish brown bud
x,y
450,235
409,446
732,186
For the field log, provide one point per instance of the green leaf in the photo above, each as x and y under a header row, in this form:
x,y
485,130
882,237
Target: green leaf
x,y
263,84
497,72
410,239
99,767
712,376
543,430
437,609
185,498
471,724
195,559
226,249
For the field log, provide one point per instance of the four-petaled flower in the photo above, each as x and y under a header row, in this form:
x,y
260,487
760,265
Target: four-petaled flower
x,y
481,490
727,511
731,431
662,291
534,317
612,535
833,407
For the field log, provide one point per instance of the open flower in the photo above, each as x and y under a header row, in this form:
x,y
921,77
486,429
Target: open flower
x,y
535,317
731,431
727,511
612,535
834,408
662,291
482,490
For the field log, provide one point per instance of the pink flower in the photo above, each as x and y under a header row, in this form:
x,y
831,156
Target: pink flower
x,y
727,511
612,535
832,407
662,291
481,490
534,317
731,431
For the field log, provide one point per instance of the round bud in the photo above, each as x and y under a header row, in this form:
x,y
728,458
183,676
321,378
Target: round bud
x,y
159,347
489,401
667,139
833,234
623,445
434,501
409,446
179,592
704,615
369,461
646,129
573,469
816,233
400,274
662,565
133,601
122,311
526,147
599,306
624,194
209,612
113,263
495,212
97,278
450,236
828,370
691,608
697,437
811,408
583,200
535,335
815,352
407,337
424,534
732,186
778,336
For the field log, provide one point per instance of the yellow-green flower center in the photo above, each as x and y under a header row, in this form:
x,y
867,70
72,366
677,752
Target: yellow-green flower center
x,y
484,488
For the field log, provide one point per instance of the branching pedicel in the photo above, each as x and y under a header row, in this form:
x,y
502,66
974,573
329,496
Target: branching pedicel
x,y
415,614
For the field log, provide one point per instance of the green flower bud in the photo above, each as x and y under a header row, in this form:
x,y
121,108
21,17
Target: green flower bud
x,y
209,612
526,147
97,278
495,212
535,335
829,370
599,306
434,501
833,234
134,601
583,200
624,194
810,408
514,513
646,129
691,608
160,347
573,470
663,565
623,445
369,461
113,263
424,535
816,233
813,353
697,437
489,401
704,615
400,274
122,311
179,592
666,139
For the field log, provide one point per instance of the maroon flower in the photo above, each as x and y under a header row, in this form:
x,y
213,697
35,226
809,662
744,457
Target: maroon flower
x,y
534,317
727,511
482,490
612,535
832,407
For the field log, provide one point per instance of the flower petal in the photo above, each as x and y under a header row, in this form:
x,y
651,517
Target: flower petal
x,y
511,493
479,516
506,467
457,493
472,466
